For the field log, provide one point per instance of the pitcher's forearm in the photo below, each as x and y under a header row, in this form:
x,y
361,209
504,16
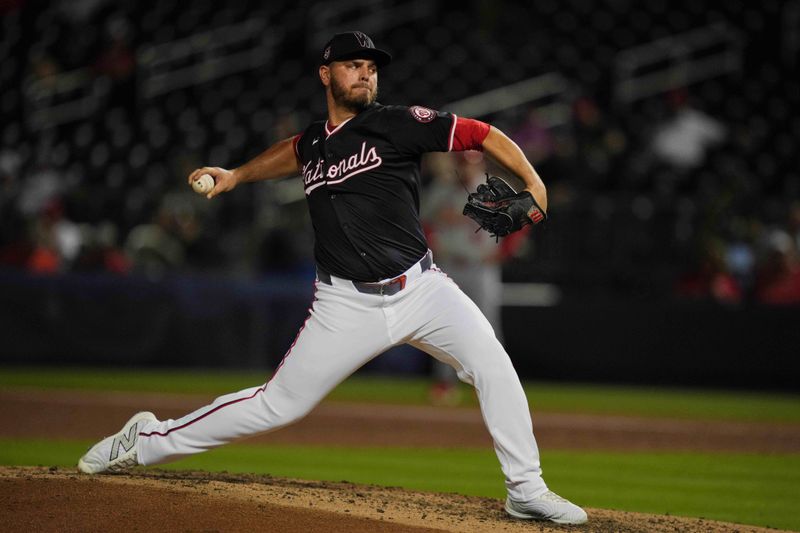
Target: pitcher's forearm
x,y
506,152
277,161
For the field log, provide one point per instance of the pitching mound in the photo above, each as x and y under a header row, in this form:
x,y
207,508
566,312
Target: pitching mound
x,y
53,500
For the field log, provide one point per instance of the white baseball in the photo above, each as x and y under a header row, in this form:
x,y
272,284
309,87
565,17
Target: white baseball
x,y
203,184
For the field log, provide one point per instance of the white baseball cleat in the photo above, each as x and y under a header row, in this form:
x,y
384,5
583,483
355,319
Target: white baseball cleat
x,y
117,452
549,506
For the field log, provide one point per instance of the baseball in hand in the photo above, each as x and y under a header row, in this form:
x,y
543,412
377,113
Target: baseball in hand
x,y
203,184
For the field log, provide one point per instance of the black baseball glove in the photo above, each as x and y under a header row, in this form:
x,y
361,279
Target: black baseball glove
x,y
501,210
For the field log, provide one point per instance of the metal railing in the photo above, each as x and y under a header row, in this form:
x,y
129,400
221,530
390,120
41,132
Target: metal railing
x,y
373,16
676,61
206,56
63,97
551,86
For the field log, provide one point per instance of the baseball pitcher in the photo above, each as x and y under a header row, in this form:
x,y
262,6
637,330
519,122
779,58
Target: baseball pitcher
x,y
377,284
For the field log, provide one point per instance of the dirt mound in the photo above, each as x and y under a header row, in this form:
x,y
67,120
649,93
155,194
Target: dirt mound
x,y
56,500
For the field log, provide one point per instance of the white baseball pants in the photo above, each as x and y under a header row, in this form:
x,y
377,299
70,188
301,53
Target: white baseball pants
x,y
346,329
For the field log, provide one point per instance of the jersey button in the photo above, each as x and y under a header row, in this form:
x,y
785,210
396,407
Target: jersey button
x,y
333,196
363,254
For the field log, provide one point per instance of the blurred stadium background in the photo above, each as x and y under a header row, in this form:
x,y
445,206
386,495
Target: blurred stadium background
x,y
667,133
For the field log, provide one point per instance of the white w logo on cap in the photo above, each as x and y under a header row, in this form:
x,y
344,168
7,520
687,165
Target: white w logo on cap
x,y
363,40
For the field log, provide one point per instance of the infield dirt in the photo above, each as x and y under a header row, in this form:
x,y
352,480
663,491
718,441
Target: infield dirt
x,y
54,500
90,415
60,500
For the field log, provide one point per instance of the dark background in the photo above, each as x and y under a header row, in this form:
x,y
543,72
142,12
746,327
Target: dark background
x,y
667,133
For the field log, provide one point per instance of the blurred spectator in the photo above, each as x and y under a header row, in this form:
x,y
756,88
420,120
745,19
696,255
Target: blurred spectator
x,y
599,144
41,186
708,278
472,259
534,137
10,167
684,138
778,281
100,252
793,225
655,147
740,257
154,248
44,257
66,234
117,61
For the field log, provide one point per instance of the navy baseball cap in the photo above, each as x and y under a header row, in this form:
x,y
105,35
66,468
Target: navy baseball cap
x,y
353,45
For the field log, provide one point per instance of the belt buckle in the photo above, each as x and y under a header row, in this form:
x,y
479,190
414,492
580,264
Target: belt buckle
x,y
399,279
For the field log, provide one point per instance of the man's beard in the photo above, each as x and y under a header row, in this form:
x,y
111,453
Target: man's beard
x,y
355,103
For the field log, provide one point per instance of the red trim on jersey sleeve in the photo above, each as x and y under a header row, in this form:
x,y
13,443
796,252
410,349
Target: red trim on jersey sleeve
x,y
468,134
452,133
295,140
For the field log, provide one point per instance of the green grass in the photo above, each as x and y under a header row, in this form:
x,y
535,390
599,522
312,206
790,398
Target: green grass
x,y
744,488
750,489
543,397
134,380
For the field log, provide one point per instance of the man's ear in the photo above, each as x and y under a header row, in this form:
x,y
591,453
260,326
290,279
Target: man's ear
x,y
325,75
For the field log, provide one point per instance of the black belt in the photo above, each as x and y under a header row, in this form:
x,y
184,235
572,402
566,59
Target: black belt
x,y
387,288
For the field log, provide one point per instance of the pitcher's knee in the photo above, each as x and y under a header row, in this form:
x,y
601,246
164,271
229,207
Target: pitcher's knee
x,y
281,413
497,370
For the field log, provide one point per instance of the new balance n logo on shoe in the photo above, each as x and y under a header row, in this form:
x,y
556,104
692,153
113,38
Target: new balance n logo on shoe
x,y
124,441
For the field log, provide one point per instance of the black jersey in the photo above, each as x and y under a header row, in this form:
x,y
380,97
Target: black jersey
x,y
362,183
